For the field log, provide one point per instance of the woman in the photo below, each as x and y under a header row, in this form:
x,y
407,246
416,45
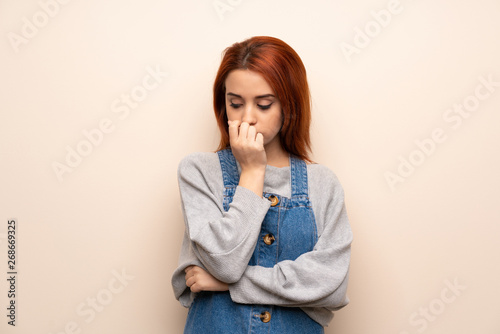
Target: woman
x,y
267,241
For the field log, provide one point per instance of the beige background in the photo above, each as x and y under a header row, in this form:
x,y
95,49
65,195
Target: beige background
x,y
118,211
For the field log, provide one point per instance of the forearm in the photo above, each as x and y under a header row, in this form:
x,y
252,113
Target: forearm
x,y
294,283
225,243
315,279
253,180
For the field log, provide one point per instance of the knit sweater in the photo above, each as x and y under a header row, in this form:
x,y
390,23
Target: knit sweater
x,y
222,242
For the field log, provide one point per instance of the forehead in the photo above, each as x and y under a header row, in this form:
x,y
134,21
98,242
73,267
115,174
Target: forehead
x,y
247,83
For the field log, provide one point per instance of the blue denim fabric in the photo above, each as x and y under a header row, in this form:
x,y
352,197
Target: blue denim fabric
x,y
292,224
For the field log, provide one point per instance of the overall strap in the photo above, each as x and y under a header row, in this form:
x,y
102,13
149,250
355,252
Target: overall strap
x,y
229,168
298,171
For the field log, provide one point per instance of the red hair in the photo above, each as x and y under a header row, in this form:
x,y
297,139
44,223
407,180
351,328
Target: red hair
x,y
284,71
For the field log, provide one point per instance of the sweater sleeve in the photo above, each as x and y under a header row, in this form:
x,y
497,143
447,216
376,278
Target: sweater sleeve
x,y
315,279
222,241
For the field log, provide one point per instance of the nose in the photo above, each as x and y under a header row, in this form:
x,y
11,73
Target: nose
x,y
249,115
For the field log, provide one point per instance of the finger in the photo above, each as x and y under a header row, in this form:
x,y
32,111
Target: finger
x,y
243,132
252,131
190,281
260,139
188,272
195,288
233,130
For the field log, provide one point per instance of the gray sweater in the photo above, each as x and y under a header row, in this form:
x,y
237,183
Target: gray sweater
x,y
222,242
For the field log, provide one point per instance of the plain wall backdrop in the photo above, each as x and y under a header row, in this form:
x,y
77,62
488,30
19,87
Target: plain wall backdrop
x,y
100,100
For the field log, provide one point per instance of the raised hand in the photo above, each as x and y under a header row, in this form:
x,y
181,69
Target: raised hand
x,y
247,145
248,148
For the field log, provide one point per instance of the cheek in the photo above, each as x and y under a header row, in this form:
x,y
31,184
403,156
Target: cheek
x,y
278,121
272,128
229,114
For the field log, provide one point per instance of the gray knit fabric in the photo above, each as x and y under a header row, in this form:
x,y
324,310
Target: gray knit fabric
x,y
223,242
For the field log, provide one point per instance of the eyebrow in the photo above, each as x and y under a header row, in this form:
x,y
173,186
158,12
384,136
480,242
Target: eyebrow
x,y
257,97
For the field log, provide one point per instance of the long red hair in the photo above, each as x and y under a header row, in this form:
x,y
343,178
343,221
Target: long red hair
x,y
284,71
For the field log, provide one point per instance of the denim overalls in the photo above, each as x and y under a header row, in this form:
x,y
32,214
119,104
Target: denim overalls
x,y
288,230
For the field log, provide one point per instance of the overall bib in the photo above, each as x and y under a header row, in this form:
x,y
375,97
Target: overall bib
x,y
288,230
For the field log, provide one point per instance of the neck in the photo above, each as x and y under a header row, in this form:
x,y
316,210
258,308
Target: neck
x,y
276,155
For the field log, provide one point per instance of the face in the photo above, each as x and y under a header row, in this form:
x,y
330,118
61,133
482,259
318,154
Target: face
x,y
249,98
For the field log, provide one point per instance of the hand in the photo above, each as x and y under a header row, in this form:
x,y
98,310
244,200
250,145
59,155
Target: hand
x,y
247,146
198,280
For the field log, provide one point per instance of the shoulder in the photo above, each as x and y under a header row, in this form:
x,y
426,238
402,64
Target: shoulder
x,y
199,163
323,180
199,158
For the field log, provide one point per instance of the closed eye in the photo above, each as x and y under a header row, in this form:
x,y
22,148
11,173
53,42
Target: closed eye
x,y
262,107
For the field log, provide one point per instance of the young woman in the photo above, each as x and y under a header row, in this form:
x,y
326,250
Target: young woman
x,y
267,241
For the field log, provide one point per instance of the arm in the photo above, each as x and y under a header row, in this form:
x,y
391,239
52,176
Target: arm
x,y
222,241
330,296
315,279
